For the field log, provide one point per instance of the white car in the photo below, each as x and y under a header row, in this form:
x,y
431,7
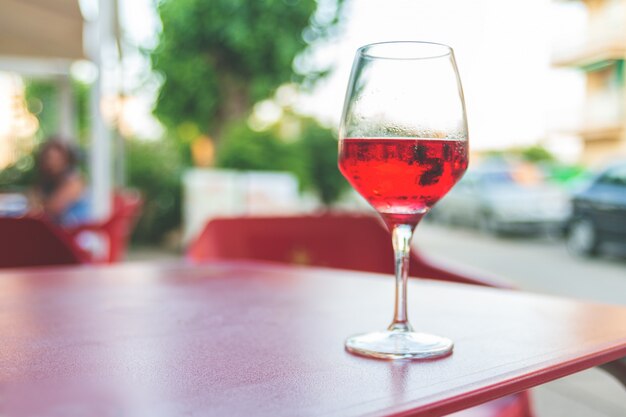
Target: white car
x,y
495,201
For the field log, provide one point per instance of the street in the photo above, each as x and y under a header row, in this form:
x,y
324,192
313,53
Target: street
x,y
538,264
542,264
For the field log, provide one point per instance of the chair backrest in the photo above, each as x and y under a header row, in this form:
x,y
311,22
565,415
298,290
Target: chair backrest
x,y
126,209
115,230
333,240
35,242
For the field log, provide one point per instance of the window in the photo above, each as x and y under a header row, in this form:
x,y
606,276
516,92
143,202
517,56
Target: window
x,y
614,176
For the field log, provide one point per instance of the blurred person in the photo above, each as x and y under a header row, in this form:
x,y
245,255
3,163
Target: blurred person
x,y
60,193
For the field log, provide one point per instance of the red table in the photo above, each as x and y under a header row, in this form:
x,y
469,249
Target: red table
x,y
250,339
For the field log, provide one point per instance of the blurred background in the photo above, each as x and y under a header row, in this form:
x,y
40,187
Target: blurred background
x,y
208,108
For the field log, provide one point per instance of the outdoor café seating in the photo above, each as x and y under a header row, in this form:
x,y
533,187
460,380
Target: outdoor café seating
x,y
107,241
312,208
34,241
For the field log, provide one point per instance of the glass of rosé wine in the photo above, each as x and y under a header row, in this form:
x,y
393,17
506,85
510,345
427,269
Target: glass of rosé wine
x,y
403,145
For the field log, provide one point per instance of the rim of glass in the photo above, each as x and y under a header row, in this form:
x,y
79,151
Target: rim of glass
x,y
417,50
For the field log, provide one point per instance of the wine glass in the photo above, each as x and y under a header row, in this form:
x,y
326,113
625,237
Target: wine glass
x,y
403,145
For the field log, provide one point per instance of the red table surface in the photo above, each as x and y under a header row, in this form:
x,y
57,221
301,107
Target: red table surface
x,y
251,339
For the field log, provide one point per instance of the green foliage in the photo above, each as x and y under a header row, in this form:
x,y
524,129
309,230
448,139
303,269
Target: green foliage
x,y
42,98
568,173
81,100
318,148
311,155
533,153
18,176
537,153
245,149
218,57
154,168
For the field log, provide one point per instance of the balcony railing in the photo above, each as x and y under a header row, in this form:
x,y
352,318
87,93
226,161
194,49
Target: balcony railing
x,y
604,38
601,117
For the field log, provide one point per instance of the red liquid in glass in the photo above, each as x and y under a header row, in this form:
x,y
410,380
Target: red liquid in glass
x,y
402,178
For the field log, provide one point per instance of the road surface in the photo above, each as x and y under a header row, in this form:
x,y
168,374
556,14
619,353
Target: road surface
x,y
542,264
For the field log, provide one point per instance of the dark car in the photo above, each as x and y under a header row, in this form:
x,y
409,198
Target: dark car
x,y
599,213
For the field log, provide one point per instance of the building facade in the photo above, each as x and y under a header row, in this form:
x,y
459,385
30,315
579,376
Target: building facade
x,y
600,55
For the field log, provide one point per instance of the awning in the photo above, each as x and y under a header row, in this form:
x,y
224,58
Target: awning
x,y
41,29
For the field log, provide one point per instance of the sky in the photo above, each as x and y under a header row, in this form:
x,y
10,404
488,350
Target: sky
x,y
503,50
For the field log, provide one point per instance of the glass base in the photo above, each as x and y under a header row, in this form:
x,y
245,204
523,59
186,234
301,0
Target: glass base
x,y
393,344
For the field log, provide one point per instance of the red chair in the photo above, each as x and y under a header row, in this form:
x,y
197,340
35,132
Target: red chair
x,y
35,242
107,241
335,241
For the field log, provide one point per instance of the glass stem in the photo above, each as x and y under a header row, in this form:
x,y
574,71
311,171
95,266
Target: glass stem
x,y
401,238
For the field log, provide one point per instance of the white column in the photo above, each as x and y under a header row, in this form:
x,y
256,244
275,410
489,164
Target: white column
x,y
100,153
99,158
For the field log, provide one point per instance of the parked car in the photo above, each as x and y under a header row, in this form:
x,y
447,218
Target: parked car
x,y
599,212
495,200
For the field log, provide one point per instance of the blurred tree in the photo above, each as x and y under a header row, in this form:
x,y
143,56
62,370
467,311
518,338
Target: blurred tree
x,y
19,175
536,153
42,101
532,153
318,148
217,58
242,148
42,97
308,150
154,167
